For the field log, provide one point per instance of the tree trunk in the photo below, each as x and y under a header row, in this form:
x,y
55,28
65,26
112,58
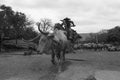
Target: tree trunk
x,y
16,38
16,41
1,39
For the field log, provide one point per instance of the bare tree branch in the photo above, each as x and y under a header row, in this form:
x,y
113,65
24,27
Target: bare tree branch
x,y
45,25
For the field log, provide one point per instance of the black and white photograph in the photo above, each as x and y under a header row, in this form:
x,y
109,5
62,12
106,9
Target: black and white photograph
x,y
59,39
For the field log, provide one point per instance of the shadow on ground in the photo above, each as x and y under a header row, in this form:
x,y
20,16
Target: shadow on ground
x,y
52,72
76,59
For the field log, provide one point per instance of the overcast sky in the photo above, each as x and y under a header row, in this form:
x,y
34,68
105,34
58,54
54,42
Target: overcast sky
x,y
88,15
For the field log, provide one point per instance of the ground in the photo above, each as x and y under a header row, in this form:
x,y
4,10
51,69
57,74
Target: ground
x,y
83,65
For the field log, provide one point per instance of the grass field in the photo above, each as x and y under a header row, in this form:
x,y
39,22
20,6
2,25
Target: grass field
x,y
78,66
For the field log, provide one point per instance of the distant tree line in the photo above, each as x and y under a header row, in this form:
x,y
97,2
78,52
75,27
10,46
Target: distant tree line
x,y
108,36
15,25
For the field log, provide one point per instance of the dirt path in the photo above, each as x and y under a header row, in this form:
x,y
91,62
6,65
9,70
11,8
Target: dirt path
x,y
79,66
92,66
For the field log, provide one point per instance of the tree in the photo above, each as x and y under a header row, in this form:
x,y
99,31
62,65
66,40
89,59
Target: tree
x,y
45,24
19,21
91,38
114,35
5,18
29,33
13,24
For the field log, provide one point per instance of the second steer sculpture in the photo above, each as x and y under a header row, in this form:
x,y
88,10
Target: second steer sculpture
x,y
56,42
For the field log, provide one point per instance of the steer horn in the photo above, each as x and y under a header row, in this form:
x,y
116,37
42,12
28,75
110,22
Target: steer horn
x,y
45,33
32,40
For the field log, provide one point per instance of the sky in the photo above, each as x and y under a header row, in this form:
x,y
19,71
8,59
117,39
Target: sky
x,y
88,15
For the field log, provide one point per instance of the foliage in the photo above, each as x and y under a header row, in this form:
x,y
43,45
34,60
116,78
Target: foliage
x,y
102,38
114,35
111,36
14,24
5,19
91,38
29,33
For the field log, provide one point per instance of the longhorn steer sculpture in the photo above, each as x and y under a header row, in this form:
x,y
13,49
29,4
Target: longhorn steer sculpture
x,y
56,42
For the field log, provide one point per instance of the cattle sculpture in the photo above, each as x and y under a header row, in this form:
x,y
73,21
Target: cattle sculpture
x,y
57,42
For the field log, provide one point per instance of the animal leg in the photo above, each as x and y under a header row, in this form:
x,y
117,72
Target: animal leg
x,y
60,62
64,55
53,58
